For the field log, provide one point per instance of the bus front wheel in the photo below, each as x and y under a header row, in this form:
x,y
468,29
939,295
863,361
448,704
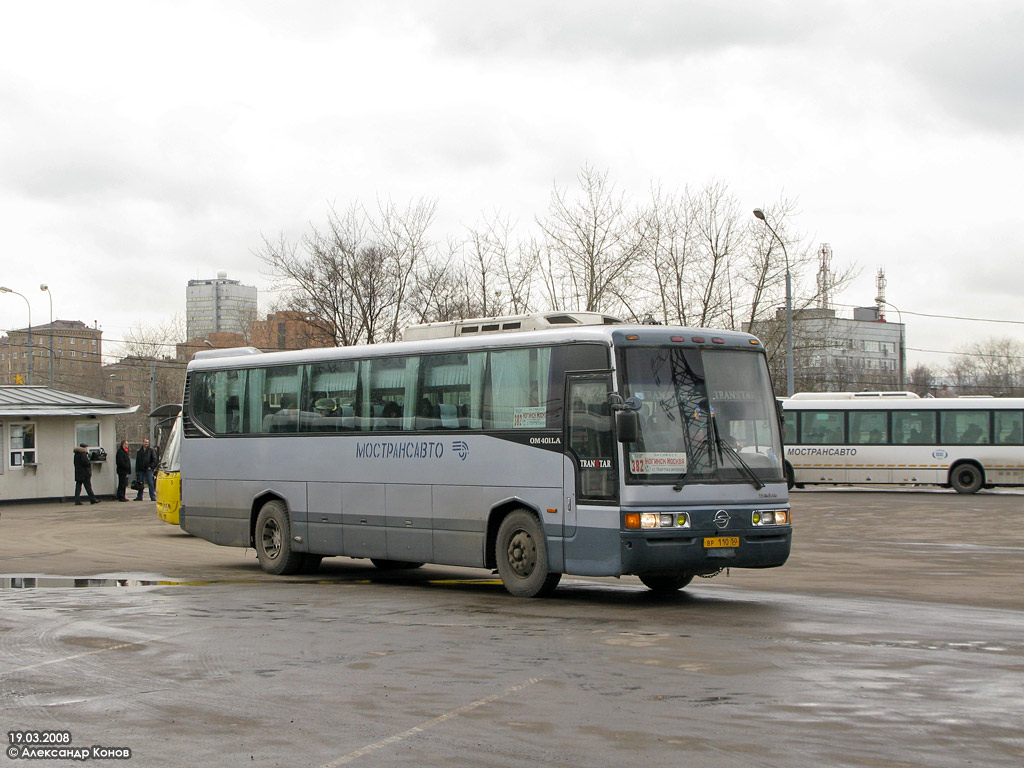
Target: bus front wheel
x,y
274,540
664,583
521,553
966,478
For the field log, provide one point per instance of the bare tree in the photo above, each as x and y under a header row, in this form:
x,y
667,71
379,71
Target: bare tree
x,y
922,379
355,279
992,366
502,271
589,246
146,340
667,248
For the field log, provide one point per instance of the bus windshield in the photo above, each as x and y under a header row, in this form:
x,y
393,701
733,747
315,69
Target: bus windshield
x,y
170,451
705,416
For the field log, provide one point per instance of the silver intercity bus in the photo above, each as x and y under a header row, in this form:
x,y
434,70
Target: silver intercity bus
x,y
589,449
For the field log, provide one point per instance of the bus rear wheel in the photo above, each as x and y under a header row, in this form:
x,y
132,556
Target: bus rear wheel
x,y
966,478
274,540
521,553
664,583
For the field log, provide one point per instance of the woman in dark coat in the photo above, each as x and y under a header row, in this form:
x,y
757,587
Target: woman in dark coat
x,y
83,474
124,468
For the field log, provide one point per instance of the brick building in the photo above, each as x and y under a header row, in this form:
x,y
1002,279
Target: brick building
x,y
289,330
76,351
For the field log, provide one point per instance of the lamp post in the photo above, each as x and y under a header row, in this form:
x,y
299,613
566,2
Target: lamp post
x,y
903,346
5,289
789,305
46,289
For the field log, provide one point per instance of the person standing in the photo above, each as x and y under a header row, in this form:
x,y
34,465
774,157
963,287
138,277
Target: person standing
x,y
124,468
83,474
145,463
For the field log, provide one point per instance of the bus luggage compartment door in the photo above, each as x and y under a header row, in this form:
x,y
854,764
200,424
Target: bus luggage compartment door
x,y
408,522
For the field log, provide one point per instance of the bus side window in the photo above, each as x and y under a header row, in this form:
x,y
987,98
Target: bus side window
x,y
868,427
822,427
964,427
789,427
913,427
1009,427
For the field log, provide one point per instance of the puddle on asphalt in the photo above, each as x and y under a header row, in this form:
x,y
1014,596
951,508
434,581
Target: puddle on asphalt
x,y
69,582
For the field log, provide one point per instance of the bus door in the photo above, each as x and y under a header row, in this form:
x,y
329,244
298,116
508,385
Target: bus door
x,y
590,444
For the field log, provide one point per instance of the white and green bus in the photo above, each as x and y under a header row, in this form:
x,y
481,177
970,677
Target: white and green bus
x,y
585,449
863,438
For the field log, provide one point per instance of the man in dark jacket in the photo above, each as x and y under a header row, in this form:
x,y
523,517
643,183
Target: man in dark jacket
x,y
145,464
83,474
124,468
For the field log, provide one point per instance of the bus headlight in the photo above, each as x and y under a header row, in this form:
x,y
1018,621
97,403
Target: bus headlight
x,y
649,520
769,517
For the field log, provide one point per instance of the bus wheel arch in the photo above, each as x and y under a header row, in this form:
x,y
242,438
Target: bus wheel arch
x,y
790,476
521,554
272,538
967,476
494,520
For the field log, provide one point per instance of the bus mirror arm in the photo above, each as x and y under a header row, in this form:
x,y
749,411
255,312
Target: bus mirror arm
x,y
618,404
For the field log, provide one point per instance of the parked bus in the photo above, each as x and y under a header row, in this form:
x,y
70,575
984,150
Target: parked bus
x,y
595,450
168,475
897,437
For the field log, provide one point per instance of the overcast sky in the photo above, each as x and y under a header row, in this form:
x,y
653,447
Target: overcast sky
x,y
144,144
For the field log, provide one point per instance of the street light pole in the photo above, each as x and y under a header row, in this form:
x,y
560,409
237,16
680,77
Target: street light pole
x,y
4,289
789,305
44,287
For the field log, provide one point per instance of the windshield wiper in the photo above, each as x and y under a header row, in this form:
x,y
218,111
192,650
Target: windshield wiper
x,y
724,447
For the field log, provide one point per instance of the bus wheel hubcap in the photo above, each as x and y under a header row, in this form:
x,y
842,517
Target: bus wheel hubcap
x,y
271,539
522,554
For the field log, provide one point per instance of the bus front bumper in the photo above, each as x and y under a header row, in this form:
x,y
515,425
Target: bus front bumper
x,y
702,551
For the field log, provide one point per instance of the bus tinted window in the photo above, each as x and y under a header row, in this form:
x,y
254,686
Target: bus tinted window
x,y
392,385
500,389
868,427
451,395
964,427
789,427
586,357
913,427
821,427
333,397
516,391
1010,427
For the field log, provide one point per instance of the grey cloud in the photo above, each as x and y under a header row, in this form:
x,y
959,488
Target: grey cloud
x,y
642,30
977,71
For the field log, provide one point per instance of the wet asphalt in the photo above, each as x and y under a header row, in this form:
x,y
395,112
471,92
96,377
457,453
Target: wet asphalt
x,y
893,637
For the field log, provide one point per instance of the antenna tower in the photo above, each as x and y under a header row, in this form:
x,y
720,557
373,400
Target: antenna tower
x,y
880,293
824,275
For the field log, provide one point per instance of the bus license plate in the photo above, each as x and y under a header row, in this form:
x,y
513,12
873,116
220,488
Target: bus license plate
x,y
721,541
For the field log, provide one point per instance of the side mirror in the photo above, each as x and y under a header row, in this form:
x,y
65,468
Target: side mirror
x,y
627,426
